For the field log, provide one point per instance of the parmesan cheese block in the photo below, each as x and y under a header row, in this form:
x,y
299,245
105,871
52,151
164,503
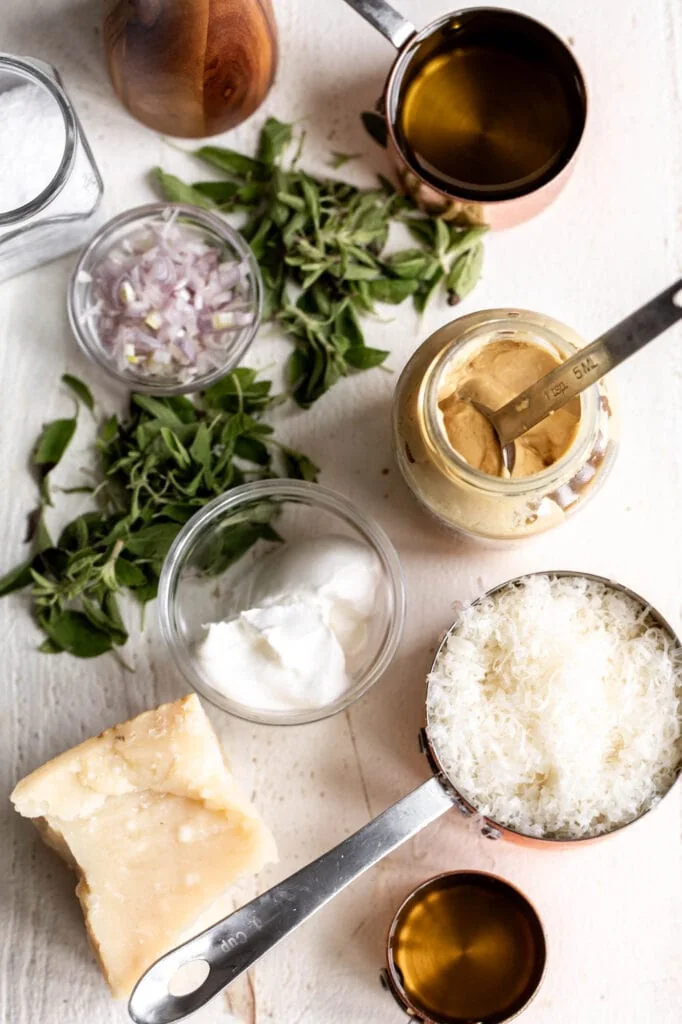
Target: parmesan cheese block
x,y
150,817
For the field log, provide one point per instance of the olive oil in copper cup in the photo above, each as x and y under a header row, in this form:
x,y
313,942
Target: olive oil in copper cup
x,y
465,946
485,109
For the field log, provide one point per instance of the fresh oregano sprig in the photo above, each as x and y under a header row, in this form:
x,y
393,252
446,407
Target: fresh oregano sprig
x,y
322,247
154,468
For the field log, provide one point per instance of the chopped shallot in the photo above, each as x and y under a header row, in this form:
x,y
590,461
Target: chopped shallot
x,y
166,305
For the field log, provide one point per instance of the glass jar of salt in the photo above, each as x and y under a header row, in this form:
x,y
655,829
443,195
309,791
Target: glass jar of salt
x,y
50,187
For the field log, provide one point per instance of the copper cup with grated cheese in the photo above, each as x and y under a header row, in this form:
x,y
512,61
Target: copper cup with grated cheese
x,y
554,708
447,452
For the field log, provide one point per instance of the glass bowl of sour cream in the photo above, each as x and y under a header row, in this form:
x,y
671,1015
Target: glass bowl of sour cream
x,y
282,602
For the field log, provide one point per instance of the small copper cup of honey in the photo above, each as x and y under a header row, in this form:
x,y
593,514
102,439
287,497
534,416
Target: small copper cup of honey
x,y
485,109
465,947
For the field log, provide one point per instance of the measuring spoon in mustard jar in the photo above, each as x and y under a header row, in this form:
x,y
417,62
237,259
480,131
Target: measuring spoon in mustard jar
x,y
582,370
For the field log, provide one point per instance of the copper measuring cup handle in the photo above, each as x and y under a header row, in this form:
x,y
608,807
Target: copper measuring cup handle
x,y
234,944
385,19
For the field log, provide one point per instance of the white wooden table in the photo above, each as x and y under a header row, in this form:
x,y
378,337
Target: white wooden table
x,y
613,910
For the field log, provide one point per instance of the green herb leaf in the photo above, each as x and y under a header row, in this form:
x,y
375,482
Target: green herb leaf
x,y
462,239
200,450
50,647
275,136
230,194
235,164
128,574
152,542
236,541
73,632
426,290
410,263
42,540
339,159
239,390
252,450
159,409
108,431
106,617
36,530
346,323
465,273
442,237
176,191
52,443
364,358
80,390
299,466
423,229
176,447
392,290
375,126
17,578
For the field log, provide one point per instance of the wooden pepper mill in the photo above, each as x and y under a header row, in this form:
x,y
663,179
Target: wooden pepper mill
x,y
190,67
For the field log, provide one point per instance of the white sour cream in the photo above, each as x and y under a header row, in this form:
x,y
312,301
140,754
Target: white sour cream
x,y
306,616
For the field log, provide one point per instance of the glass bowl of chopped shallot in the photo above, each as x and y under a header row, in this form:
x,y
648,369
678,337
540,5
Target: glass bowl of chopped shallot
x,y
166,298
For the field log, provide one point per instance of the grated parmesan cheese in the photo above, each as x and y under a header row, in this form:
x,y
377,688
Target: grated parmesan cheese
x,y
554,707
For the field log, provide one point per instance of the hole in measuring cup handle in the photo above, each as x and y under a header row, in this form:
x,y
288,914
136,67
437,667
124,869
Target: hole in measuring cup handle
x,y
189,977
177,984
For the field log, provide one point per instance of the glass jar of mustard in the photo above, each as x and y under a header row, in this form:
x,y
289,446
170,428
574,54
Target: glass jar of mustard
x,y
448,453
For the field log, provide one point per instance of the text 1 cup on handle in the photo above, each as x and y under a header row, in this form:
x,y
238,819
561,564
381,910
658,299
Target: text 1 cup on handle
x,y
587,366
234,944
385,19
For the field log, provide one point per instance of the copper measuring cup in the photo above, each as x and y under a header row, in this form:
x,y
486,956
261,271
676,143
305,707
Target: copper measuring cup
x,y
233,945
499,208
436,958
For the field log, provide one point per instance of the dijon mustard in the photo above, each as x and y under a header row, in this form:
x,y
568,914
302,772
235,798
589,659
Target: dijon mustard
x,y
448,452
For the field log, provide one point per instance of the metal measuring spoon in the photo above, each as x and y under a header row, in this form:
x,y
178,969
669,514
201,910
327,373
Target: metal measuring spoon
x,y
582,370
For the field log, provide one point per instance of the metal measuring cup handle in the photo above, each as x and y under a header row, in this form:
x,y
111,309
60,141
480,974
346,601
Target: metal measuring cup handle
x,y
385,19
235,944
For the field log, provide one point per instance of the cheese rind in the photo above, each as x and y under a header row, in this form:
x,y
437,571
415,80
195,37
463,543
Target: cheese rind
x,y
151,819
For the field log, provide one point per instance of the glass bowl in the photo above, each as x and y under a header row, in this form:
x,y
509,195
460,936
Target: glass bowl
x,y
82,310
197,585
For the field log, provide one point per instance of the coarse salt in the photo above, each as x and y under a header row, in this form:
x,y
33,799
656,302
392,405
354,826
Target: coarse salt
x,y
32,140
32,144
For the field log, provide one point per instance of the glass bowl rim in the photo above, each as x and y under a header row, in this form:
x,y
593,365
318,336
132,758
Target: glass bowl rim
x,y
314,495
215,226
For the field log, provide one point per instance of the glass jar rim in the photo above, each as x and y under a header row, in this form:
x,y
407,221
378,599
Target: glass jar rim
x,y
556,334
26,69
